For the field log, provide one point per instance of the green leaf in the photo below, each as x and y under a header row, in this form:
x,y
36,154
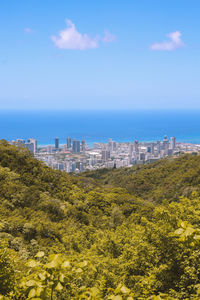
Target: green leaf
x,y
30,283
59,287
32,293
40,254
62,277
83,264
56,257
79,270
66,264
55,261
93,268
124,290
32,263
189,231
83,287
182,238
118,288
42,276
179,231
184,224
53,264
39,290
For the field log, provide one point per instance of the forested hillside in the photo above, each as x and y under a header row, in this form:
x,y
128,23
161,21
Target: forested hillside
x,y
110,234
165,179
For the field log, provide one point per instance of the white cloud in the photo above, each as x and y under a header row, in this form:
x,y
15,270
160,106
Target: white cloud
x,y
108,37
70,38
28,30
174,43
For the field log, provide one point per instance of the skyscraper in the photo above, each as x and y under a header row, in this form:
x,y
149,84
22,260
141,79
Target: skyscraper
x,y
69,142
158,147
83,145
110,145
136,146
76,146
34,142
172,143
105,155
56,143
166,144
152,148
30,147
131,147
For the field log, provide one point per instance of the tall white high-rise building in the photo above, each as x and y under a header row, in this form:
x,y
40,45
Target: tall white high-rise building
x,y
131,148
165,144
172,142
34,142
111,145
105,155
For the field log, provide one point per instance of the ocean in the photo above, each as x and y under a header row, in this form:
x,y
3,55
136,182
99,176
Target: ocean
x,y
99,126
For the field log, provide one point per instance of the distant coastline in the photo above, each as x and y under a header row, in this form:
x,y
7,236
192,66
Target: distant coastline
x,y
99,126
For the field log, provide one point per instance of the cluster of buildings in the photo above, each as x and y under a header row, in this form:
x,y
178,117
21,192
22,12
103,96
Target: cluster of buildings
x,y
30,144
77,156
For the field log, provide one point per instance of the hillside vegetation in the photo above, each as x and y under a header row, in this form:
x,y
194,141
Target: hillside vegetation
x,y
131,233
165,179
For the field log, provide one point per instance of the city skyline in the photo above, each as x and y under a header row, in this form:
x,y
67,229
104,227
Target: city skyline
x,y
77,156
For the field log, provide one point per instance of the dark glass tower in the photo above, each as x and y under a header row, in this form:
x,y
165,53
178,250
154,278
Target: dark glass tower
x,y
69,142
76,146
56,143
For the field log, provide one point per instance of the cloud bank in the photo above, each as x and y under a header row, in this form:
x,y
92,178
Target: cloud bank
x,y
174,42
70,38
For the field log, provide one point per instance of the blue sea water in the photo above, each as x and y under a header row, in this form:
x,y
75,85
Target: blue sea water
x,y
98,126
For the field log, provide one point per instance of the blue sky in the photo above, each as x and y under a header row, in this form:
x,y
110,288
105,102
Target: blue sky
x,y
130,54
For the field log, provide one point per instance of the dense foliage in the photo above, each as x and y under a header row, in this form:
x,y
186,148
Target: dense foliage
x,y
110,234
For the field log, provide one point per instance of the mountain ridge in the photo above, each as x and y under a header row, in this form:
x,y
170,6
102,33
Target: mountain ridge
x,y
117,227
